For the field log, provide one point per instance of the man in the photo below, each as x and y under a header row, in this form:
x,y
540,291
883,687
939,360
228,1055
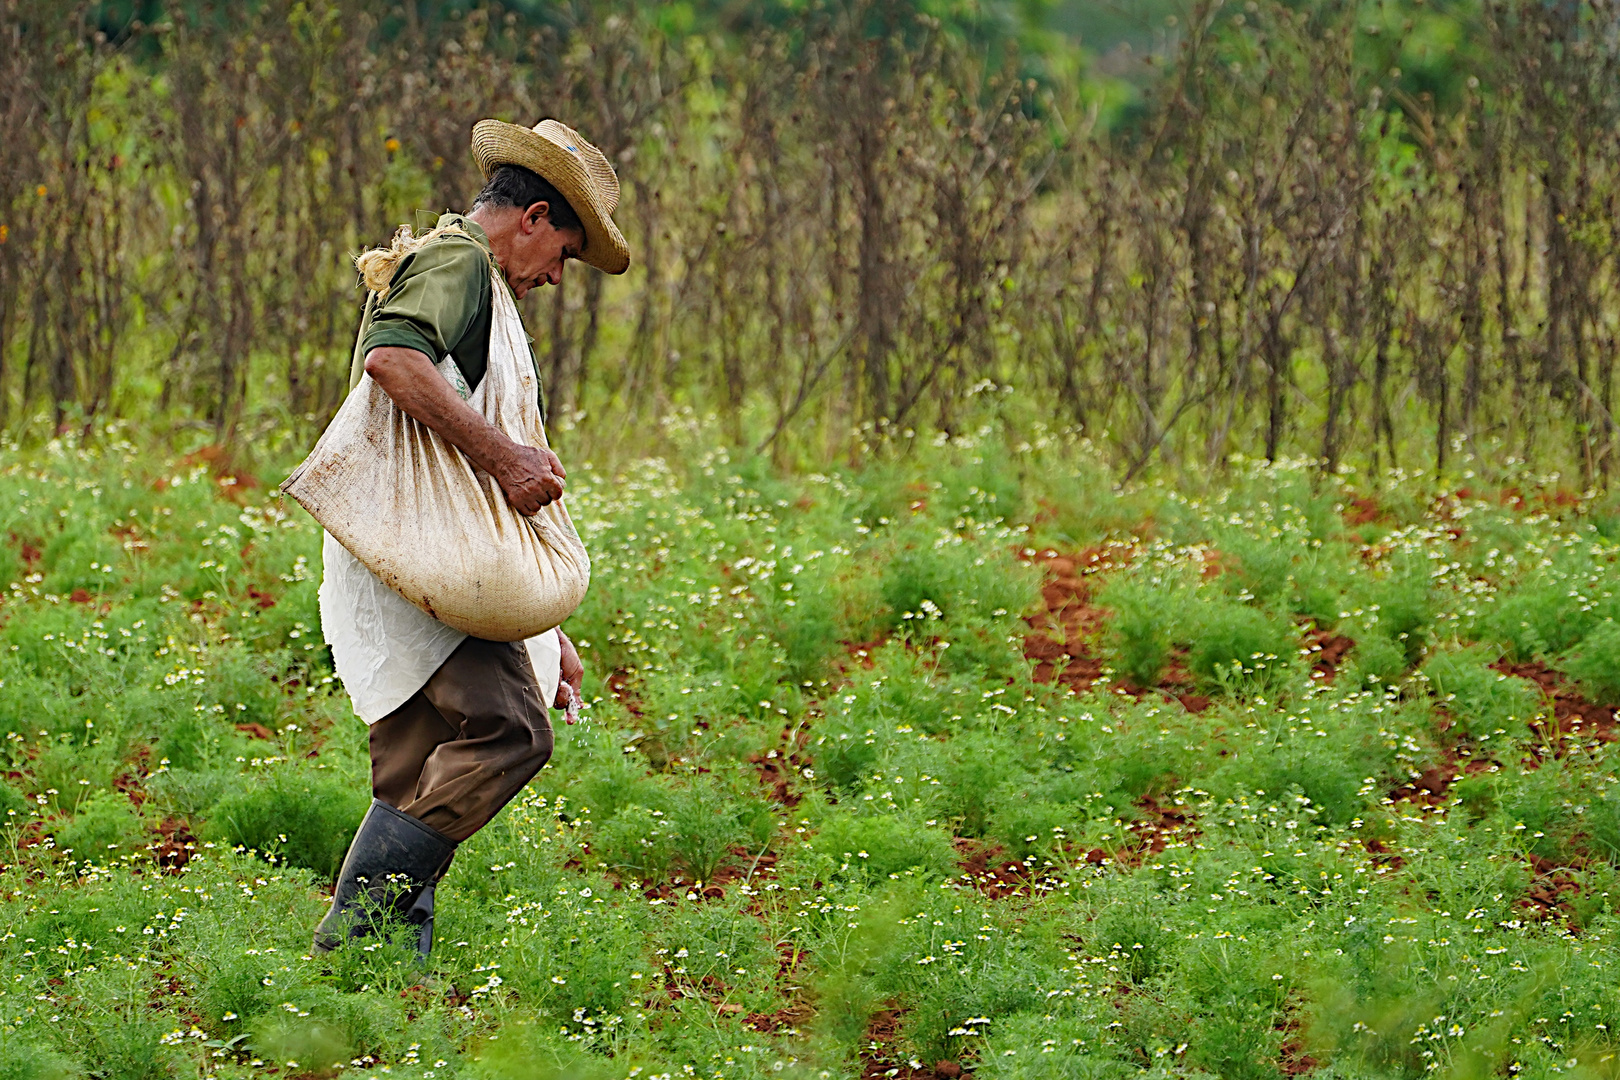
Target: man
x,y
458,724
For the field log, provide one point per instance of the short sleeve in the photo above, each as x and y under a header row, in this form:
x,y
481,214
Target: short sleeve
x,y
435,296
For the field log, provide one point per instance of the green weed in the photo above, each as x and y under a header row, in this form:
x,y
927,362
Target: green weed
x,y
830,770
1480,700
878,846
518,1052
316,1046
708,825
1377,658
1601,821
21,1059
637,842
945,577
1594,663
104,827
1239,648
1402,608
1140,628
301,817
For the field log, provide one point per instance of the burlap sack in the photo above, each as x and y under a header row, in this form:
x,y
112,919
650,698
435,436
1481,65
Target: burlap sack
x,y
433,527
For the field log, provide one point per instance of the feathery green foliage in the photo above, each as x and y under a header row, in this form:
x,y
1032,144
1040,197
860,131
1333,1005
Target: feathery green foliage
x,y
852,844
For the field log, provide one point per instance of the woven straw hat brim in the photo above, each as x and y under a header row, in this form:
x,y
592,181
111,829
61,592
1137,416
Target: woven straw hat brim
x,y
593,192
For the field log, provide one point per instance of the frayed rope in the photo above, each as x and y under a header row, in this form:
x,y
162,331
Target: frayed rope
x,y
377,265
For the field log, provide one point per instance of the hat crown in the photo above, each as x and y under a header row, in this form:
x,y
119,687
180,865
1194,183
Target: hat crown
x,y
595,162
579,171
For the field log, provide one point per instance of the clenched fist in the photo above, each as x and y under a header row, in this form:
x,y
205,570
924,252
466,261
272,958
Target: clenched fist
x,y
531,477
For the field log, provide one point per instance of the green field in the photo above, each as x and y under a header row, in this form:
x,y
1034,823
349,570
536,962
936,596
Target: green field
x,y
958,762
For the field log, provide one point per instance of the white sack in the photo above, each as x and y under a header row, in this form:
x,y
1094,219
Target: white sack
x,y
433,527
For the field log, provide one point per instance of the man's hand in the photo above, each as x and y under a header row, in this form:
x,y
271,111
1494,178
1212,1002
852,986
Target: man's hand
x,y
573,672
531,477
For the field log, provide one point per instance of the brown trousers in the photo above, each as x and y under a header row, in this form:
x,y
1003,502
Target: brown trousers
x,y
465,743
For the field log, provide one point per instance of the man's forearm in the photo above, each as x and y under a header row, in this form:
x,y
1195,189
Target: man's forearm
x,y
409,377
530,476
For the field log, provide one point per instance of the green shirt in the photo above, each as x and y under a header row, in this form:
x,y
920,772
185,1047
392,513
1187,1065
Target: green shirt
x,y
438,303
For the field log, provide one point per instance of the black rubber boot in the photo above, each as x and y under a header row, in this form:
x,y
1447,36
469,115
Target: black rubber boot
x,y
421,915
390,870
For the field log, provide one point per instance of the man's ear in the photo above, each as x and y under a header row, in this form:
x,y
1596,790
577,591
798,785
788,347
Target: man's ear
x,y
535,214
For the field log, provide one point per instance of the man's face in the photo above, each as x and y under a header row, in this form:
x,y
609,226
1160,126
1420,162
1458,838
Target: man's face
x,y
539,251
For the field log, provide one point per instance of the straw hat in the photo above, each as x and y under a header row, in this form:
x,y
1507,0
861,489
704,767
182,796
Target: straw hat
x,y
578,170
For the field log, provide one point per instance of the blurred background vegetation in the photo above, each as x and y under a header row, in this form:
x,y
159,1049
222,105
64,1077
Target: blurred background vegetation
x,y
1368,233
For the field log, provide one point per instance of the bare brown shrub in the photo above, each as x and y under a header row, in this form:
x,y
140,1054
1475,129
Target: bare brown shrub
x,y
853,226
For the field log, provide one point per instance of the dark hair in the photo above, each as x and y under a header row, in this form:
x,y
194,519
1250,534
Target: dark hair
x,y
513,185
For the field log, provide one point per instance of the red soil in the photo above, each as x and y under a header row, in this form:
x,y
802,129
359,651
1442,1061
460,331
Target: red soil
x,y
176,847
1000,878
879,1060
1068,659
786,1020
1362,510
1328,652
779,768
1292,1058
1550,894
1573,714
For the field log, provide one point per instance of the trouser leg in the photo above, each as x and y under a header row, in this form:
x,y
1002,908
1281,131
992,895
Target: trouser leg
x,y
448,759
488,693
467,742
401,743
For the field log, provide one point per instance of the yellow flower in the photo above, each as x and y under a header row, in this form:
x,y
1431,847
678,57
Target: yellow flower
x,y
392,146
41,190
